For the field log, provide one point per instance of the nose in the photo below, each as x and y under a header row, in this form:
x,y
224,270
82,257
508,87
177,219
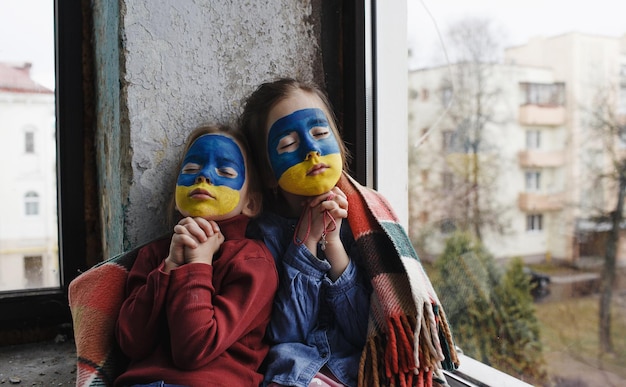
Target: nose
x,y
203,179
311,154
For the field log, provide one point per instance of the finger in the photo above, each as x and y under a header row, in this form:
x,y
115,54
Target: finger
x,y
185,220
207,226
181,231
215,226
321,198
339,213
196,230
338,192
185,240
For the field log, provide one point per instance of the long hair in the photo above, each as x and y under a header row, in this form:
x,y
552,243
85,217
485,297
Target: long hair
x,y
253,122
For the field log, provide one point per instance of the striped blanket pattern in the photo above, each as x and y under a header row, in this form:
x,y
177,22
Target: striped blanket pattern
x,y
409,340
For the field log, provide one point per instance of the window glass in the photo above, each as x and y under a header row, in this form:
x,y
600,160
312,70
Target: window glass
x,y
29,142
525,142
28,210
533,181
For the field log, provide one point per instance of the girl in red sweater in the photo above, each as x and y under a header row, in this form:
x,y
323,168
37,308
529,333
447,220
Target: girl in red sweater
x,y
198,302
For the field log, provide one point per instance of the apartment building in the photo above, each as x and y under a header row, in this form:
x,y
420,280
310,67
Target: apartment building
x,y
28,226
528,123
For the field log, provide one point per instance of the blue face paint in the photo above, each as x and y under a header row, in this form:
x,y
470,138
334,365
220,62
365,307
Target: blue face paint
x,y
293,137
216,158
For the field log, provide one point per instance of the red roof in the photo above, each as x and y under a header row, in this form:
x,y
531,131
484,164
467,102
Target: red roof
x,y
16,78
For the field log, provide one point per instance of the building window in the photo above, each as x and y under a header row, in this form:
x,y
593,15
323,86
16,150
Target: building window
x,y
534,222
29,142
533,139
543,94
31,203
533,181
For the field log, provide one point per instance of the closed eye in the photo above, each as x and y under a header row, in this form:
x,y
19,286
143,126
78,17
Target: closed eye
x,y
320,132
288,143
227,172
190,168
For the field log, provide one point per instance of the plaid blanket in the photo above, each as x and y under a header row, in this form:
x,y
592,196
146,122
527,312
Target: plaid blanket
x,y
409,340
95,298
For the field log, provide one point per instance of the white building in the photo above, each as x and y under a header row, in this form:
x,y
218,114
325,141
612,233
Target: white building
x,y
28,205
535,115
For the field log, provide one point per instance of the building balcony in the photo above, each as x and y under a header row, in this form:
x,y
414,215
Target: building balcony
x,y
541,159
538,202
542,115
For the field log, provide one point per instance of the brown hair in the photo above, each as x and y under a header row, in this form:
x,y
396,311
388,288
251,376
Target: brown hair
x,y
254,186
253,121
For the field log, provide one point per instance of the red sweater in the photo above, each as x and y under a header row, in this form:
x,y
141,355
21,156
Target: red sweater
x,y
200,325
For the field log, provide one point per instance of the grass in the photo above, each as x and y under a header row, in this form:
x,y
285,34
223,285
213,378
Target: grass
x,y
569,328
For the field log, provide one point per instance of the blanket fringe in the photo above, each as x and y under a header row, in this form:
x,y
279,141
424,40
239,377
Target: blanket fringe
x,y
390,361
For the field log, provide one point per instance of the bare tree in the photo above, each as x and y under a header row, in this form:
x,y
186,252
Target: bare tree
x,y
470,156
609,131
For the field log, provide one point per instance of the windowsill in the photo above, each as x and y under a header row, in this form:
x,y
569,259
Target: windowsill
x,y
48,363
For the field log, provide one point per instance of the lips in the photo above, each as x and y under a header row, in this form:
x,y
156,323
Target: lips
x,y
317,169
201,194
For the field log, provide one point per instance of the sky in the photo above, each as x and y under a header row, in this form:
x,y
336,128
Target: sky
x,y
517,21
27,35
31,39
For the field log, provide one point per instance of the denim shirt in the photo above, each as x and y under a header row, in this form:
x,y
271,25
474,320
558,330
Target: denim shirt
x,y
315,321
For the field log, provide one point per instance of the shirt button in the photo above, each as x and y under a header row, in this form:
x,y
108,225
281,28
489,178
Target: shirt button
x,y
324,355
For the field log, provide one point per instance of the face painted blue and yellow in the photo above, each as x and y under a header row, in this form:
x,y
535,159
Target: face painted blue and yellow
x,y
213,174
304,153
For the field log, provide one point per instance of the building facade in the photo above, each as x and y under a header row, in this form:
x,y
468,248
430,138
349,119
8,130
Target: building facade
x,y
513,152
28,226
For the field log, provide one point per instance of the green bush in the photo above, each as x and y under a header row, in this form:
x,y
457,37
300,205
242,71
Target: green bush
x,y
491,312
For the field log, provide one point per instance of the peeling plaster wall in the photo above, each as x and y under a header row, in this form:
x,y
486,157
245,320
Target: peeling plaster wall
x,y
111,139
183,63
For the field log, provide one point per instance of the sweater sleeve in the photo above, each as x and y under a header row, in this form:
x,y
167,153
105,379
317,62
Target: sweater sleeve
x,y
138,327
204,323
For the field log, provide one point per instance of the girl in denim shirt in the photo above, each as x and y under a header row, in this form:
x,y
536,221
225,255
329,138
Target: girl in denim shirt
x,y
319,321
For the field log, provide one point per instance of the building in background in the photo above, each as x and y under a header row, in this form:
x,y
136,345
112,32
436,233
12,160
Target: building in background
x,y
528,124
28,194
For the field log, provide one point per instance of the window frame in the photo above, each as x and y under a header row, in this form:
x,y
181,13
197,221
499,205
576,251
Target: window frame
x,y
533,139
532,180
31,204
29,142
41,311
534,222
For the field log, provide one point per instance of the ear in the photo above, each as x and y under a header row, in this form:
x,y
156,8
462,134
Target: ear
x,y
253,206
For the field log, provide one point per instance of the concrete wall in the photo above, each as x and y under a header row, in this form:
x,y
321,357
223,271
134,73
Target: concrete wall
x,y
166,66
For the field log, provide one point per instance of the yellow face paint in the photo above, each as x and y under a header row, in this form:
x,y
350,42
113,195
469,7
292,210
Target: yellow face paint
x,y
206,200
313,176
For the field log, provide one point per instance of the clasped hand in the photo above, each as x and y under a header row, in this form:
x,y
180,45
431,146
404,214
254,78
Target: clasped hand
x,y
194,240
319,208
